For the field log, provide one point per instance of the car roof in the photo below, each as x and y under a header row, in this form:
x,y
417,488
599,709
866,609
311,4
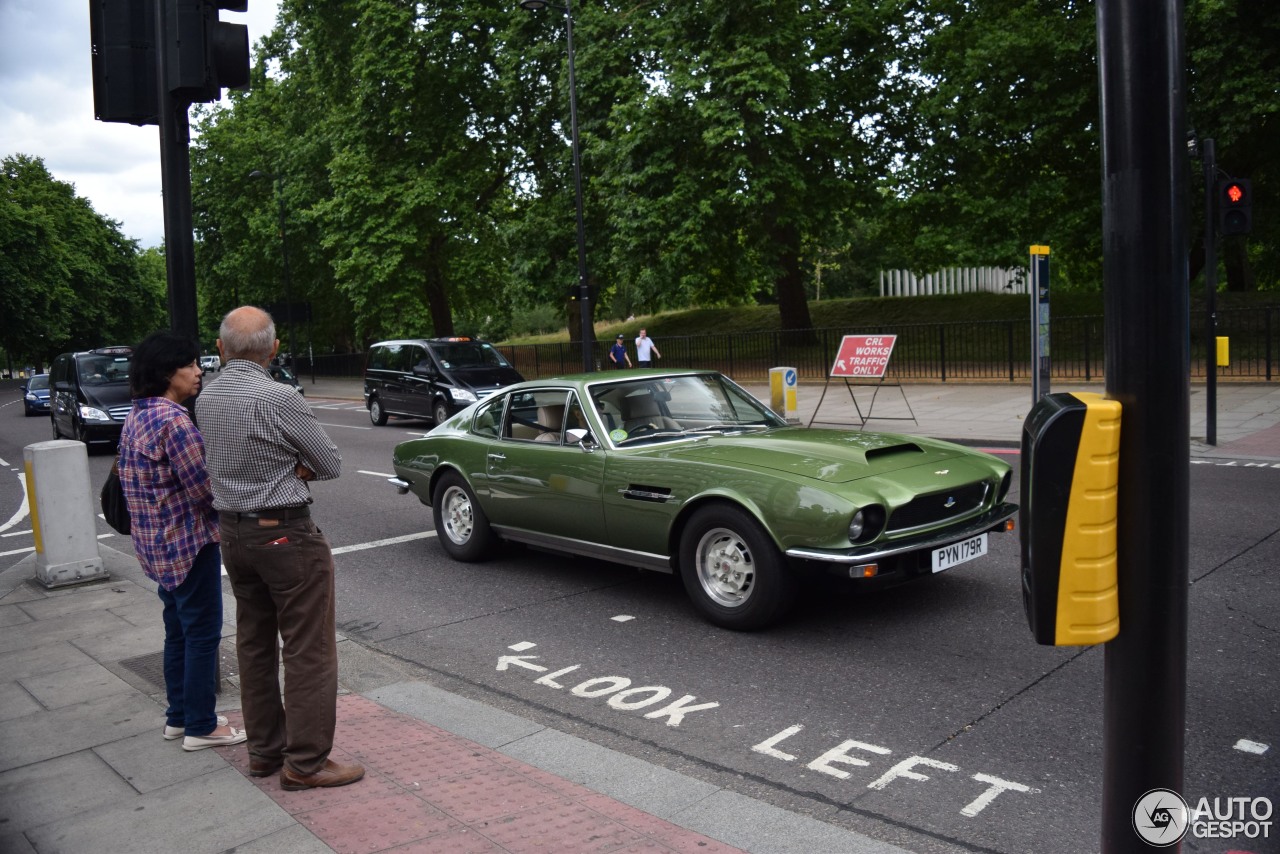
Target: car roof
x,y
457,339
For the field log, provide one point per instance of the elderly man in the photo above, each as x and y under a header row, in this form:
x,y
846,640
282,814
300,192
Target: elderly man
x,y
262,445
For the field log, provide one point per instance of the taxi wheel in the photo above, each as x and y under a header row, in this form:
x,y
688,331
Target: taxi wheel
x,y
732,570
57,434
377,414
440,412
461,526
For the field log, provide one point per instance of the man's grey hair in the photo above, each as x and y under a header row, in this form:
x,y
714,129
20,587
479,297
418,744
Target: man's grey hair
x,y
241,343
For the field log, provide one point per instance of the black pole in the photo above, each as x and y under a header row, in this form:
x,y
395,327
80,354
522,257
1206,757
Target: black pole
x,y
1210,296
175,183
584,291
1141,61
288,279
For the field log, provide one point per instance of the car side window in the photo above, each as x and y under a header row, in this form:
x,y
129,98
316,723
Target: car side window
x,y
488,417
536,416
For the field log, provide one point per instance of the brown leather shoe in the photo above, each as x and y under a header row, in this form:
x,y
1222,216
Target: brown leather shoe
x,y
263,767
332,774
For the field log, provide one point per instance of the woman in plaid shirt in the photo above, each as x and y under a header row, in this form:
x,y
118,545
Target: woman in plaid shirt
x,y
175,532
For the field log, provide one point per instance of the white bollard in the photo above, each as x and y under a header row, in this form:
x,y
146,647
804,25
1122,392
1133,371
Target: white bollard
x,y
62,513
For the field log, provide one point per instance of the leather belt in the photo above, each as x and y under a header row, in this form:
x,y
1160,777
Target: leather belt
x,y
282,514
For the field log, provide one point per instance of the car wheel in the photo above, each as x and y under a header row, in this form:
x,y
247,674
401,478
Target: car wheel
x,y
57,434
440,412
377,414
461,525
82,432
732,570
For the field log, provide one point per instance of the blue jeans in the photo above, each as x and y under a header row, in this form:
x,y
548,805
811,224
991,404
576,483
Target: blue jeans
x,y
192,632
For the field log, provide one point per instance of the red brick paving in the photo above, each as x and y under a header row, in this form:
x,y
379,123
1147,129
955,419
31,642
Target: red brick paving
x,y
427,790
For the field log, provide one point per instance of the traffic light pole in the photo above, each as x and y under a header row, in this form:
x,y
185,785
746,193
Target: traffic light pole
x,y
175,182
1145,282
1209,153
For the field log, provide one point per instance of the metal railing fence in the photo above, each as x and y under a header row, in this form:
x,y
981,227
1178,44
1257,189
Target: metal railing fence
x,y
991,351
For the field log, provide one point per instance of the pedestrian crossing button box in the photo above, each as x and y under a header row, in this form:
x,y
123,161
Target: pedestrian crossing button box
x,y
1070,482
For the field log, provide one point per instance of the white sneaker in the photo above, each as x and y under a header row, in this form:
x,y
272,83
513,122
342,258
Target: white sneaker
x,y
200,742
174,732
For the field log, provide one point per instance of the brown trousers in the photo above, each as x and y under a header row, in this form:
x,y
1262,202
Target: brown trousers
x,y
282,575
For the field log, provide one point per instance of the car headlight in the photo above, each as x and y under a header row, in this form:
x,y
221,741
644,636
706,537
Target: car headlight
x,y
866,524
463,396
89,413
31,397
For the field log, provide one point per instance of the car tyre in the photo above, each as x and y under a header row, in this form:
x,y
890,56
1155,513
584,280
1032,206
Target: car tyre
x,y
377,414
57,434
440,412
461,525
732,570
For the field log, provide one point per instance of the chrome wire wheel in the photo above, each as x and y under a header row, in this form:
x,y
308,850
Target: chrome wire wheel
x,y
457,515
725,567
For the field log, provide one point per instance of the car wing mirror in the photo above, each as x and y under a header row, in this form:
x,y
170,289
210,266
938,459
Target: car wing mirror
x,y
581,438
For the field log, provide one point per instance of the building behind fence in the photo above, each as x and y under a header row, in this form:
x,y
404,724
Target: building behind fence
x,y
954,280
990,351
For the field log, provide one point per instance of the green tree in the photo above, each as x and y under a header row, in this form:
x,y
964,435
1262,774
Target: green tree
x,y
68,277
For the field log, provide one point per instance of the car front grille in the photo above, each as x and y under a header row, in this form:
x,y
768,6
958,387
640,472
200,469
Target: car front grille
x,y
937,507
119,413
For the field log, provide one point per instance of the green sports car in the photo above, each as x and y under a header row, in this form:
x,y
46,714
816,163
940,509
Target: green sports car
x,y
685,472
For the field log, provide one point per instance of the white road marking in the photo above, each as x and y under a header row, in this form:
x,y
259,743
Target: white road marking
x,y
522,646
374,473
33,548
23,509
18,533
348,426
622,618
1247,746
390,541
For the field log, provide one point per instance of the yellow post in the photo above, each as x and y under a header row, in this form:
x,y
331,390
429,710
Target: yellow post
x,y
1224,351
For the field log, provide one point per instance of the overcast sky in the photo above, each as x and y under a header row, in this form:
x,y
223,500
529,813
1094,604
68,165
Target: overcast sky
x,y
46,111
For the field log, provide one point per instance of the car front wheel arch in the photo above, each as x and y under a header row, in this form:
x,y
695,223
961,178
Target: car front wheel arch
x,y
732,570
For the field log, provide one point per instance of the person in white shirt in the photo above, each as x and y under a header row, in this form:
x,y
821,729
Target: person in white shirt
x,y
645,351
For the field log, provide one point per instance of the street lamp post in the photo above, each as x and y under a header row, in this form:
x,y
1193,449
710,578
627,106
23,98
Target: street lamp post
x,y
284,254
584,292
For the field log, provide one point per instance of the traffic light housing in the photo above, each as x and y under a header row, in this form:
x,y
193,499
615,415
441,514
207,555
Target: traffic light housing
x,y
1235,206
204,54
1070,486
123,56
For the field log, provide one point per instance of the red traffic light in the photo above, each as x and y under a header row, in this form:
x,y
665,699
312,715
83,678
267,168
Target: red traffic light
x,y
1235,202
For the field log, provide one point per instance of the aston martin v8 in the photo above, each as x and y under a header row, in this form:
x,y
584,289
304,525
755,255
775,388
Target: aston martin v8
x,y
685,472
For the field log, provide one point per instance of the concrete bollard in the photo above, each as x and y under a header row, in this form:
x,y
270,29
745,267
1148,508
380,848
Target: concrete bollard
x,y
62,513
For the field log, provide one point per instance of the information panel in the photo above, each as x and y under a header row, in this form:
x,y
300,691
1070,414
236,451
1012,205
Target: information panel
x,y
864,356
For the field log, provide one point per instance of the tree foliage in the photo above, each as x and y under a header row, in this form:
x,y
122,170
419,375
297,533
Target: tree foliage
x,y
68,278
732,152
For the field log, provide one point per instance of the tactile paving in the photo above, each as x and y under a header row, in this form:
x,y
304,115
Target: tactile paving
x,y
427,790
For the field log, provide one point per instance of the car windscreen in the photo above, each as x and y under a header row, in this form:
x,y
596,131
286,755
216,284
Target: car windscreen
x,y
468,354
37,382
676,406
103,370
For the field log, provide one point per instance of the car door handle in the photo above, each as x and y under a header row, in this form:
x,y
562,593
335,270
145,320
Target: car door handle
x,y
496,456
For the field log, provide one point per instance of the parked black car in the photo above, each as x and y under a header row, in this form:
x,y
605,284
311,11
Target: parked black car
x,y
432,377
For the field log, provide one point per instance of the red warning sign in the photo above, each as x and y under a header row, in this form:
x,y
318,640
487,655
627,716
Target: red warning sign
x,y
864,356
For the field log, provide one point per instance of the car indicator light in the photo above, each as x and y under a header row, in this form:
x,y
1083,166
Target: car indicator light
x,y
864,570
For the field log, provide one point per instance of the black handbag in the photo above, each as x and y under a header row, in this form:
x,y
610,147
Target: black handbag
x,y
114,508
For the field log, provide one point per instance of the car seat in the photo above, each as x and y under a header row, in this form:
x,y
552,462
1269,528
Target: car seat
x,y
642,411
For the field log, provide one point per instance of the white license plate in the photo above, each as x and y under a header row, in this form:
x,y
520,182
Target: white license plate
x,y
958,553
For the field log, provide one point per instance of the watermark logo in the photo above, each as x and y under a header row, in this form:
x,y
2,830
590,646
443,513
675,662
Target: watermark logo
x,y
1160,817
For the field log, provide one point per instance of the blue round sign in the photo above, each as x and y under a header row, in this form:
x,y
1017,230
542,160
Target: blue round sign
x,y
791,377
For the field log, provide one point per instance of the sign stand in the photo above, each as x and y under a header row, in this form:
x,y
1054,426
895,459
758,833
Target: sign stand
x,y
865,357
